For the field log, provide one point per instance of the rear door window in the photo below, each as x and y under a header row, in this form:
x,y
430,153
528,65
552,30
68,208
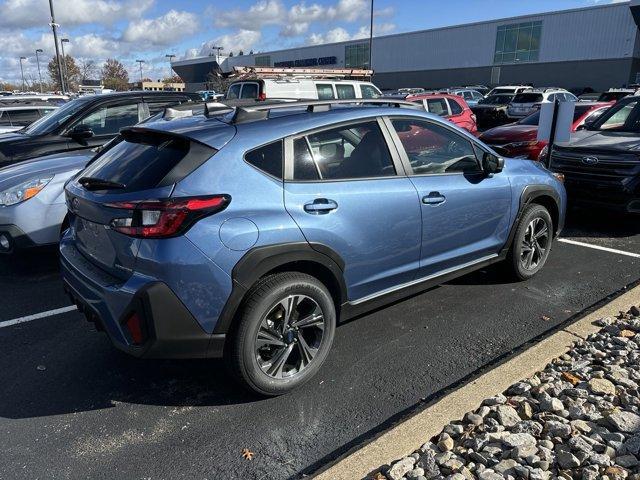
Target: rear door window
x,y
345,92
348,152
267,159
438,106
325,91
143,161
456,109
528,98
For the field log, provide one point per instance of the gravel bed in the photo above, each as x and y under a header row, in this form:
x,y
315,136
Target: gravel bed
x,y
577,419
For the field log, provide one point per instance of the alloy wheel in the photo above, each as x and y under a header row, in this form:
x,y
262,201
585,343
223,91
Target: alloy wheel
x,y
534,244
289,336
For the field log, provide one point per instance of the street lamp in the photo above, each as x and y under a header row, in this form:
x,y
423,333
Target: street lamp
x,y
39,50
170,56
54,26
64,62
22,71
371,37
217,49
140,62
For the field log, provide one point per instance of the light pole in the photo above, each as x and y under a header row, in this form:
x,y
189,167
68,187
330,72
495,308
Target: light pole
x,y
54,27
39,50
64,63
22,71
140,62
371,38
170,56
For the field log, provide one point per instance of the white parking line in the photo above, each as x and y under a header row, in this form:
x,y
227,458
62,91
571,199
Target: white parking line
x,y
598,247
36,316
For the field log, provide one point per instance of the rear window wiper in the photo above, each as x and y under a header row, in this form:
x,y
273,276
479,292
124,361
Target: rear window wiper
x,y
92,183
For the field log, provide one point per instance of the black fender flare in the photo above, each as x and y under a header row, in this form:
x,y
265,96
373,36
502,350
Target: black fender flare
x,y
258,261
528,195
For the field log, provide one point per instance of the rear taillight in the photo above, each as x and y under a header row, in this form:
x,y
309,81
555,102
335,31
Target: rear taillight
x,y
165,218
262,96
473,117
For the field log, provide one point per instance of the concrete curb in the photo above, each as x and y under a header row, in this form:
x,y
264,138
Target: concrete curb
x,y
404,438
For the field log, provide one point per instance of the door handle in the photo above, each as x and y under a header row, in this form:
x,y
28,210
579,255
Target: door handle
x,y
434,198
320,206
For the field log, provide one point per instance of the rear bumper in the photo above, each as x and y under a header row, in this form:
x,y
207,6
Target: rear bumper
x,y
169,329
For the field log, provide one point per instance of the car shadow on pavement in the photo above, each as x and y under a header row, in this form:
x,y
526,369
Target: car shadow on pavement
x,y
594,223
39,262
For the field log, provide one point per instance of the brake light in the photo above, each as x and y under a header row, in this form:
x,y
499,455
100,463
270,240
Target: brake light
x,y
262,96
165,218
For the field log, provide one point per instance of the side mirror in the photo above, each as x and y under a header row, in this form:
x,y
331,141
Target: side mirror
x,y
81,132
492,164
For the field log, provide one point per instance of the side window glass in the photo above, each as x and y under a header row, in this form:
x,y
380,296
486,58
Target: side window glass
x,y
249,90
159,106
456,109
434,149
348,152
438,106
304,168
345,92
234,91
267,158
325,91
22,118
4,119
368,91
109,120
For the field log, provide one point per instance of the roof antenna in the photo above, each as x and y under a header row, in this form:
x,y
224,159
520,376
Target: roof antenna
x,y
216,108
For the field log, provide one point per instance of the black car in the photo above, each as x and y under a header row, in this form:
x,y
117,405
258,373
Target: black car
x,y
492,111
601,163
86,122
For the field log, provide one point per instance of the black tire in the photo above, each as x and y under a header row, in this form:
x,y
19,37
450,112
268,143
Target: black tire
x,y
518,262
255,367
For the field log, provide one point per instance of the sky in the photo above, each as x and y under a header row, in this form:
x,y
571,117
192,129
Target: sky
x,y
150,29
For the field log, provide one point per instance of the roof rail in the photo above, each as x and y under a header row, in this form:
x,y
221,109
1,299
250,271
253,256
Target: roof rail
x,y
261,112
276,72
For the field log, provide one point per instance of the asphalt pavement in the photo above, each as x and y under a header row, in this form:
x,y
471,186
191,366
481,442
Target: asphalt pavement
x,y
71,406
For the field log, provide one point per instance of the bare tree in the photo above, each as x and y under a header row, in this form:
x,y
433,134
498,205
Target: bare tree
x,y
88,68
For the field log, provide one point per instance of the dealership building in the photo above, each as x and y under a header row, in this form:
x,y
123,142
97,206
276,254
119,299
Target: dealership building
x,y
596,47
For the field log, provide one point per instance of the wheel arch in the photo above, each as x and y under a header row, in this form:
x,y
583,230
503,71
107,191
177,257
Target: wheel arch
x,y
316,260
546,196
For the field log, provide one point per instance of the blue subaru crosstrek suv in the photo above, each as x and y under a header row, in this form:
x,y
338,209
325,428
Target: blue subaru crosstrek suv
x,y
250,232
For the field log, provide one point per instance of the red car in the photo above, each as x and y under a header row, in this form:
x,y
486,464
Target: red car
x,y
519,139
452,107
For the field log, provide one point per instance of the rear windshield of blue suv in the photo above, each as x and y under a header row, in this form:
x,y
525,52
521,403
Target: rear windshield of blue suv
x,y
142,161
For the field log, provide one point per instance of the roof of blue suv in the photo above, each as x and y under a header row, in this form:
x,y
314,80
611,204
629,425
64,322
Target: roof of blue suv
x,y
216,131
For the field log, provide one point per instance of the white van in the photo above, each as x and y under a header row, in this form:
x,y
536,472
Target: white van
x,y
301,88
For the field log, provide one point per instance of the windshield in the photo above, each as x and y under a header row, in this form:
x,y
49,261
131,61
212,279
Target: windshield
x,y
622,117
496,100
54,119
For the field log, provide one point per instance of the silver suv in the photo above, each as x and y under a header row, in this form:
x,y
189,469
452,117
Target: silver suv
x,y
526,103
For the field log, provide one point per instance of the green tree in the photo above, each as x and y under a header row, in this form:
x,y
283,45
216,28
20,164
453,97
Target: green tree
x,y
172,79
114,75
70,71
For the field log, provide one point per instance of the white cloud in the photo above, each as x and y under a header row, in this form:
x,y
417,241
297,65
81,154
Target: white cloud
x,y
164,30
341,35
35,13
243,40
265,12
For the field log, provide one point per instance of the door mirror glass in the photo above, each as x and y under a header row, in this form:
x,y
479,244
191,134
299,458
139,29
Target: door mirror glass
x,y
492,163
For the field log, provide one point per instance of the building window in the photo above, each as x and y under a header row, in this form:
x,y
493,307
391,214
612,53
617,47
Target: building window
x,y
356,56
519,42
263,61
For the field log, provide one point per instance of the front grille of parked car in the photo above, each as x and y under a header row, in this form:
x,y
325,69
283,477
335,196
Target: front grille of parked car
x,y
608,168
